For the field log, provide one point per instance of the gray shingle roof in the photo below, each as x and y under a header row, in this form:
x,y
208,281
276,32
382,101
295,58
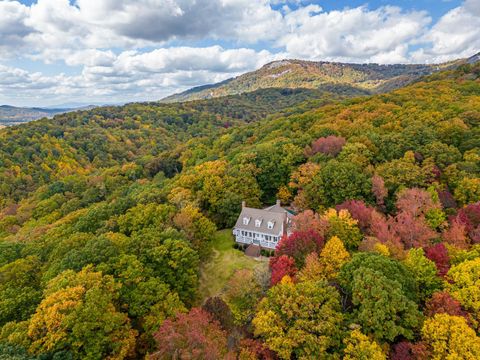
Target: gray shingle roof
x,y
279,209
275,214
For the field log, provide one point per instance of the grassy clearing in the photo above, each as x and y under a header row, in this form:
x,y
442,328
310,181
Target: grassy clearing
x,y
225,260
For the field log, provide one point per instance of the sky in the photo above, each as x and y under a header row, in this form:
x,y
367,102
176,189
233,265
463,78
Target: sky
x,y
56,52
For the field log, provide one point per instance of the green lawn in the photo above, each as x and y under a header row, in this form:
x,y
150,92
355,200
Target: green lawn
x,y
225,260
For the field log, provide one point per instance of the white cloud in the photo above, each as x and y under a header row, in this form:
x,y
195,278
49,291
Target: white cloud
x,y
13,27
213,58
472,6
131,75
138,49
455,35
54,24
356,34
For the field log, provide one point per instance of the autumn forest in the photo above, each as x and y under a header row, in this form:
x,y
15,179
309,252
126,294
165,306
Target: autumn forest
x,y
108,218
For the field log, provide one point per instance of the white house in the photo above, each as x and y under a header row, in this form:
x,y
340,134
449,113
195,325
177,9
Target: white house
x,y
263,227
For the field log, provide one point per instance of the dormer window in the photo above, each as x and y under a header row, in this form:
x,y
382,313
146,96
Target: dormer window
x,y
271,224
246,220
258,222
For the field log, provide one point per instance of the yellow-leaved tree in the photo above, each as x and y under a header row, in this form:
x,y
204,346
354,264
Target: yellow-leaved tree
x,y
342,224
360,347
333,256
78,315
465,280
312,271
449,338
302,320
326,266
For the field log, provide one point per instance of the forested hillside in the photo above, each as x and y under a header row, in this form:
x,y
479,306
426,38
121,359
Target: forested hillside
x,y
338,78
107,216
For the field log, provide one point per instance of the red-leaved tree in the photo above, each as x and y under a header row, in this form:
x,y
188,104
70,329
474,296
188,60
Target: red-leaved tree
x,y
442,302
406,350
359,211
439,255
281,266
379,190
298,245
470,217
330,145
219,311
456,234
308,220
413,231
416,202
446,199
193,336
254,349
382,229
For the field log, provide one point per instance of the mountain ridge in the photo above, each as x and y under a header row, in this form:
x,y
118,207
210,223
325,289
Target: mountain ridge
x,y
295,73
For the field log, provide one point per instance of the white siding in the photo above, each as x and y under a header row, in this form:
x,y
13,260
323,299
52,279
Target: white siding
x,y
253,237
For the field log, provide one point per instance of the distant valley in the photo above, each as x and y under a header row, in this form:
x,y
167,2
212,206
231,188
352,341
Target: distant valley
x,y
12,115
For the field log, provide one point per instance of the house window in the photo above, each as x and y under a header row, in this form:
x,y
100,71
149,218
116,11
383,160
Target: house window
x,y
258,223
270,224
246,220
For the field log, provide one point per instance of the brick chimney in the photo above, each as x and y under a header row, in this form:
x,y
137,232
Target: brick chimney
x,y
279,203
243,204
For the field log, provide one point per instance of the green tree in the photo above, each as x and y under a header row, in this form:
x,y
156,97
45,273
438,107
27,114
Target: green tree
x,y
12,352
9,251
443,154
336,182
143,216
176,263
94,252
424,272
393,270
381,308
152,302
148,299
275,161
356,153
403,172
20,289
